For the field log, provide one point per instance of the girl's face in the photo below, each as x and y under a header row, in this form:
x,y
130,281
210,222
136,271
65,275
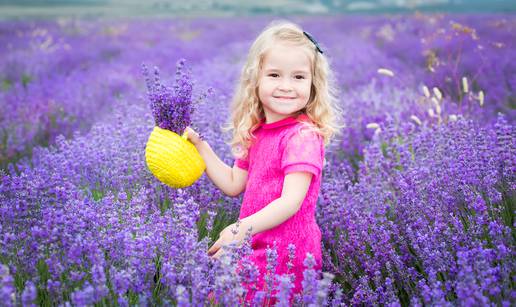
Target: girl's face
x,y
285,81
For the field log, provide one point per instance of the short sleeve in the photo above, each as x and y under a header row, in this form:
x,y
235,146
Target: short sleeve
x,y
241,160
303,152
241,163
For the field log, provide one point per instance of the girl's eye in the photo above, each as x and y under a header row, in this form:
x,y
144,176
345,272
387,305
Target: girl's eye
x,y
274,75
300,77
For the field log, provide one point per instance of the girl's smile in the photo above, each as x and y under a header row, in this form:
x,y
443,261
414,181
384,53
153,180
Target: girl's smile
x,y
284,98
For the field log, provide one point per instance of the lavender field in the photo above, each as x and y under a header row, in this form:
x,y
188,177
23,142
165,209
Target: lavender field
x,y
418,196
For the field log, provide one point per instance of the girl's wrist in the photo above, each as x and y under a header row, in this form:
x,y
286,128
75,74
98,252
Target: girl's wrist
x,y
246,225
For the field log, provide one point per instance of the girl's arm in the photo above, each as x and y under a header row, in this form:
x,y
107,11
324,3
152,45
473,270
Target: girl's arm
x,y
295,187
230,180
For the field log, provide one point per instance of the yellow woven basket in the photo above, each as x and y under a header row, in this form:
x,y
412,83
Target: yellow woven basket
x,y
173,159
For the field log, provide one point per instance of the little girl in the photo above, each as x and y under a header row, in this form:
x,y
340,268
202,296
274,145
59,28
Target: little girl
x,y
283,114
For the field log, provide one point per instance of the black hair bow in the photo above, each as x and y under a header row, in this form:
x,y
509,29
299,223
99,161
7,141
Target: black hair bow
x,y
312,39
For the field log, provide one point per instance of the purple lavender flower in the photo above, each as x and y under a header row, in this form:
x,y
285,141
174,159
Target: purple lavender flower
x,y
284,288
29,294
269,278
182,296
171,107
7,290
309,282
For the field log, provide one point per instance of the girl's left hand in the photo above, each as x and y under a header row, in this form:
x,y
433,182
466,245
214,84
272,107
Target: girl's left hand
x,y
228,235
193,136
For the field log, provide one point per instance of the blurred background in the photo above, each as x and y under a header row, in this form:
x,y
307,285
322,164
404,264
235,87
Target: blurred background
x,y
49,8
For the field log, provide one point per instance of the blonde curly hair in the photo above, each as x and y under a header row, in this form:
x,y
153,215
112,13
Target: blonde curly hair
x,y
246,108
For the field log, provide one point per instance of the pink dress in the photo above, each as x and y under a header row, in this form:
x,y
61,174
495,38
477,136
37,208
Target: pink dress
x,y
280,148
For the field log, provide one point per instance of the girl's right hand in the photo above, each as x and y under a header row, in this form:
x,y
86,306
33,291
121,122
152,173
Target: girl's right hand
x,y
193,136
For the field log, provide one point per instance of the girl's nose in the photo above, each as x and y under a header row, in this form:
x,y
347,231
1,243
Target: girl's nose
x,y
285,86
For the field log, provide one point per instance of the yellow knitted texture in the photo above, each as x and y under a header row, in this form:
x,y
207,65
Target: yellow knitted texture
x,y
173,159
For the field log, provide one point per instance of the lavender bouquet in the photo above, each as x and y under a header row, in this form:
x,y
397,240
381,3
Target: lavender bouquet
x,y
171,107
169,155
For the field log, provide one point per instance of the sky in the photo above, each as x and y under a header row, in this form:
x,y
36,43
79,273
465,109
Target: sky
x,y
238,7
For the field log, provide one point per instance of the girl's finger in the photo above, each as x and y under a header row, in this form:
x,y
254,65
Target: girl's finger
x,y
218,253
214,247
212,250
189,132
193,136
